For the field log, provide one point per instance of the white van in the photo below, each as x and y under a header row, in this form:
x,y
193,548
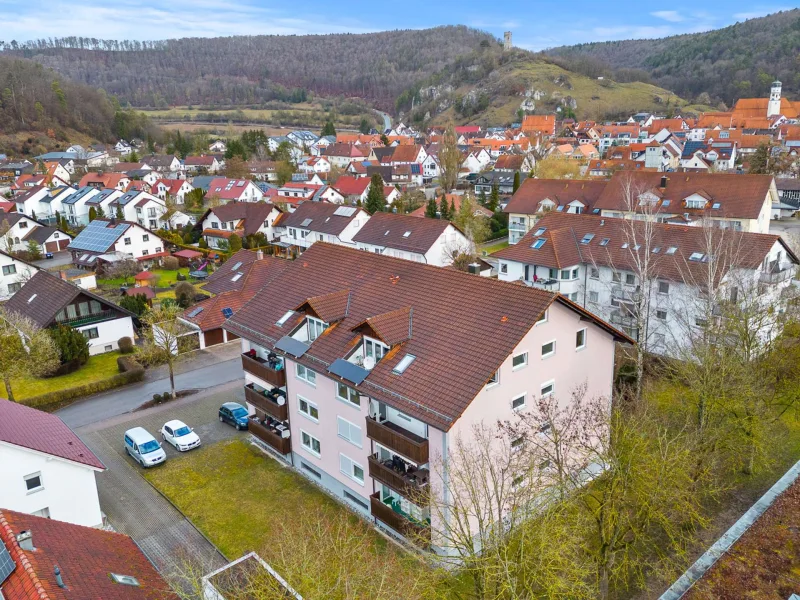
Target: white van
x,y
143,447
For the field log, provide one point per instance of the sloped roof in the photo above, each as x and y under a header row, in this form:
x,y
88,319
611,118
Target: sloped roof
x,y
330,307
530,194
322,217
86,558
43,432
445,304
252,213
401,232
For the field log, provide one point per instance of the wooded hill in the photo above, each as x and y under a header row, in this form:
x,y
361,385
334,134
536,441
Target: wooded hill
x,y
730,63
491,86
253,69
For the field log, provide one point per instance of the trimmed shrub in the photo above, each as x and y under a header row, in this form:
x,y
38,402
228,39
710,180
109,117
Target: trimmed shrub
x,y
171,263
184,294
181,277
156,397
72,346
125,345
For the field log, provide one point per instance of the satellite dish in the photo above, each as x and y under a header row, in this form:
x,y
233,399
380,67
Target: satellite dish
x,y
281,400
369,363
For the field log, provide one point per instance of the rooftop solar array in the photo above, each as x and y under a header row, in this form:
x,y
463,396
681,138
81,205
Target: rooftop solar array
x,y
7,565
345,211
227,313
98,236
291,346
347,370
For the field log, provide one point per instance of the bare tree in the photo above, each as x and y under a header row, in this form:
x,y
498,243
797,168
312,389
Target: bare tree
x,y
164,338
124,269
450,159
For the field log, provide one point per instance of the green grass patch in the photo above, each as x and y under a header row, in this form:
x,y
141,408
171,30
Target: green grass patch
x,y
165,278
495,247
97,368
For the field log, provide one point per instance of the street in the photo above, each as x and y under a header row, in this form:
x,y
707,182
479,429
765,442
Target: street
x,y
123,400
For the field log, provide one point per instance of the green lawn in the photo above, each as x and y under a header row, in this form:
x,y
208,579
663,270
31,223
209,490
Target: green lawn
x,y
495,247
165,278
98,367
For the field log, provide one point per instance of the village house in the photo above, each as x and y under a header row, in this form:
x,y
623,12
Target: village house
x,y
116,181
502,180
172,188
320,222
593,261
140,207
233,190
14,272
218,146
340,155
164,163
343,379
431,241
28,202
108,239
202,164
45,469
240,218
48,300
22,231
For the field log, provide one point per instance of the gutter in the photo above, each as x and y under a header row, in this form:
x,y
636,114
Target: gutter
x,y
703,564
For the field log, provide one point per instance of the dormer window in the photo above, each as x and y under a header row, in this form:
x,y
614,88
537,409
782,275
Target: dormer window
x,y
315,328
695,203
374,349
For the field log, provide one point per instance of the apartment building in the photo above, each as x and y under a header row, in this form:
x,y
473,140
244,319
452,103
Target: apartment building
x,y
598,263
362,370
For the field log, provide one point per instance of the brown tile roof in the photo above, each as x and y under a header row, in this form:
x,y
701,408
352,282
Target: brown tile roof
x,y
86,558
252,213
563,248
509,162
389,230
405,153
561,191
43,295
739,196
44,432
323,217
539,124
475,321
328,307
394,327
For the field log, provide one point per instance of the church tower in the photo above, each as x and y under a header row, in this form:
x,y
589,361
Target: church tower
x,y
507,45
774,107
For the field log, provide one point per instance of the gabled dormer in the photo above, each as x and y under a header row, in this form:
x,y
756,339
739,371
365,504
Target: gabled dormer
x,y
320,312
699,200
379,334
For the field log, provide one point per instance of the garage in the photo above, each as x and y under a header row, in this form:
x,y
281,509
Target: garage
x,y
51,247
213,337
62,244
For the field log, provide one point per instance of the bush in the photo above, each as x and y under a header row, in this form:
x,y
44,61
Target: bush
x,y
184,294
171,263
181,277
156,397
130,373
125,345
137,304
202,243
73,347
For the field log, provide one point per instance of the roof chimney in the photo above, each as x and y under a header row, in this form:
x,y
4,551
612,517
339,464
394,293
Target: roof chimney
x,y
663,181
602,222
259,254
25,540
59,580
63,274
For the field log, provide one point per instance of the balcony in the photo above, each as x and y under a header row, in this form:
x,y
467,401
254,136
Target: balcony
x,y
260,400
270,436
390,514
623,318
260,368
776,275
103,315
408,483
399,440
551,285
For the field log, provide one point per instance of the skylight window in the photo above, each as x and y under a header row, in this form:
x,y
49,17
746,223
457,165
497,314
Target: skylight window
x,y
596,211
657,249
538,243
403,364
587,238
625,245
540,231
386,232
284,318
636,247
31,298
672,250
716,205
665,203
406,234
124,579
604,241
236,277
306,222
236,266
559,209
697,256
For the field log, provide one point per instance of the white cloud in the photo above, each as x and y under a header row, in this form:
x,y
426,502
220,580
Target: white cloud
x,y
673,16
758,12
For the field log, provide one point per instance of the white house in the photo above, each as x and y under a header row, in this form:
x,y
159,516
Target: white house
x,y
218,146
233,190
108,236
14,272
218,224
23,230
28,201
174,188
45,469
123,147
140,207
430,241
321,222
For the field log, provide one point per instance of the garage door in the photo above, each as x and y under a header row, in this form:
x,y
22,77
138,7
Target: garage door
x,y
213,337
62,244
232,336
51,247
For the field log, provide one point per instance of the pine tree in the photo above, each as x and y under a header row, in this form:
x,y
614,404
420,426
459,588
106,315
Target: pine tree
x,y
452,210
328,129
234,243
430,209
376,201
92,213
516,182
482,197
444,210
120,214
494,199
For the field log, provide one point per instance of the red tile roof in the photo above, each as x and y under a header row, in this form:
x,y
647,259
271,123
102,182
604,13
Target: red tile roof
x,y
389,230
351,186
322,217
252,213
532,192
43,432
454,314
86,558
227,189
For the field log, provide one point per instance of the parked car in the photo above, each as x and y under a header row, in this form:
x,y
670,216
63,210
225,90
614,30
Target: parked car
x,y
180,435
234,414
143,447
48,255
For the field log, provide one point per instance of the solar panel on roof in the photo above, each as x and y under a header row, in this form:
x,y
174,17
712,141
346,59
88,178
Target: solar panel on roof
x,y
195,312
345,211
306,222
7,565
227,313
291,346
347,370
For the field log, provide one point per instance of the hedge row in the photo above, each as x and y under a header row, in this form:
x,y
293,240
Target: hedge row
x,y
130,372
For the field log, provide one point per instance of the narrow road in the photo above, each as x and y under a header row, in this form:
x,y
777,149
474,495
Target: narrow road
x,y
387,119
124,400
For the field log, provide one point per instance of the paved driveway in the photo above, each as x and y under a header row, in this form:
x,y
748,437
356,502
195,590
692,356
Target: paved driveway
x,y
137,509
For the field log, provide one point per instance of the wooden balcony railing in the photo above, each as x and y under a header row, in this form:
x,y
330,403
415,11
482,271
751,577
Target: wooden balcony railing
x,y
409,484
281,444
269,406
261,369
413,530
399,440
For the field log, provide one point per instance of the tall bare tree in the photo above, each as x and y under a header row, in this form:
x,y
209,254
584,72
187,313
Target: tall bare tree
x,y
450,159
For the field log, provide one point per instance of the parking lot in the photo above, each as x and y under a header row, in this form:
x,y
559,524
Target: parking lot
x,y
133,506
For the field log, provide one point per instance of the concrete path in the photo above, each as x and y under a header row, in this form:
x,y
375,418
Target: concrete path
x,y
134,507
213,370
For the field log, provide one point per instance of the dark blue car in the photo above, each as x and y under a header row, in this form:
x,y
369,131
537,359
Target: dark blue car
x,y
234,414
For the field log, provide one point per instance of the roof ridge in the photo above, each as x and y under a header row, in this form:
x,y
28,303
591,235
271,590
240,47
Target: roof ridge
x,y
23,558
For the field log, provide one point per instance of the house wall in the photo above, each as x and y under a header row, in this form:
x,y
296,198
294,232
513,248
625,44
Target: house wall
x,y
138,245
69,489
109,333
22,272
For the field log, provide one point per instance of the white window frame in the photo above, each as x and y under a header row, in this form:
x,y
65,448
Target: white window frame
x,y
353,464
585,332
552,352
312,381
551,384
39,488
375,345
524,397
494,379
543,319
310,447
309,405
348,400
348,426
313,324
524,362
663,283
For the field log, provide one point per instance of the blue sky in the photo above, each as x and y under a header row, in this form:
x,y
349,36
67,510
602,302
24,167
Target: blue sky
x,y
535,25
